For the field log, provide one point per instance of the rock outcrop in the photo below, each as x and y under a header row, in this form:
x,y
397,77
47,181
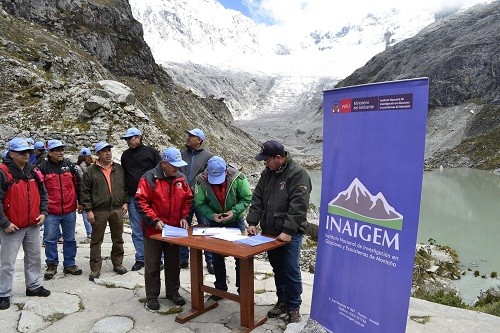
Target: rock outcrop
x,y
80,71
461,57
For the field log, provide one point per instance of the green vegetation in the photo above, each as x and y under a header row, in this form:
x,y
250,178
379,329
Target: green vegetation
x,y
489,302
493,275
445,298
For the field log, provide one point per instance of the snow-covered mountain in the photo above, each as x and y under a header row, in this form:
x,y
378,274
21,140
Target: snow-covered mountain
x,y
272,76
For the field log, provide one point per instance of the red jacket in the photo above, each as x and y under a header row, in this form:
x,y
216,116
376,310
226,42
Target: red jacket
x,y
23,196
63,185
162,198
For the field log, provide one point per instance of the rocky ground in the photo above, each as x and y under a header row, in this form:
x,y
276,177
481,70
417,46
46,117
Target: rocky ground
x,y
114,303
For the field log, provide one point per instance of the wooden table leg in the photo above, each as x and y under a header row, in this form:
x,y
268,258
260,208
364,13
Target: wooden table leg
x,y
198,306
247,306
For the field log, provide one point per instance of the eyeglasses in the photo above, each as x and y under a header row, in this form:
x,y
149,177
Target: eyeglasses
x,y
267,159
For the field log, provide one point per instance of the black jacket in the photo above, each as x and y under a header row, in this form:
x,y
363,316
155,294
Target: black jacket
x,y
281,199
136,162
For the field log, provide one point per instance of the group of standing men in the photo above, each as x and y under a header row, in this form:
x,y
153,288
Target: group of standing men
x,y
155,190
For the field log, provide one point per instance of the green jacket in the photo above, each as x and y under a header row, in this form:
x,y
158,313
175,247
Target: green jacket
x,y
238,195
281,199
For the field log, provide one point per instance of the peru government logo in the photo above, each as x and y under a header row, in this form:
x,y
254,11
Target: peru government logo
x,y
357,203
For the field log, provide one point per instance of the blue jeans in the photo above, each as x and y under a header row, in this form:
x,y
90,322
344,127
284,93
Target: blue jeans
x,y
67,222
185,250
136,226
86,223
219,263
287,276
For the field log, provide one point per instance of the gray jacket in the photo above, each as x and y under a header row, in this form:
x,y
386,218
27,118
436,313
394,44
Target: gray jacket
x,y
281,199
197,162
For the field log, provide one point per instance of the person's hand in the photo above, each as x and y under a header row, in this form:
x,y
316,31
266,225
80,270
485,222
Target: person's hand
x,y
284,237
216,217
229,216
91,217
79,209
11,228
159,225
252,230
40,219
124,208
184,223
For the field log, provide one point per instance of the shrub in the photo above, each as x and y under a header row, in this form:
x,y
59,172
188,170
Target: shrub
x,y
445,298
493,275
476,273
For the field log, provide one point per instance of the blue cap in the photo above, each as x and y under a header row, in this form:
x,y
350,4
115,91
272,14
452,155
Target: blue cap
x,y
197,132
39,145
216,169
19,144
101,145
84,152
53,144
173,156
4,153
131,132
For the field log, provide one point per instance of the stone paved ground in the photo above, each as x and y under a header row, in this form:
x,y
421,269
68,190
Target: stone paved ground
x,y
114,303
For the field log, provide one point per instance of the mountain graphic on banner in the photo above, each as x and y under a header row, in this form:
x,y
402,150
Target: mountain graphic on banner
x,y
356,202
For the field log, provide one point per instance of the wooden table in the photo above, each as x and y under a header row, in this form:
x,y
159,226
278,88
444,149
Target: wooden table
x,y
243,252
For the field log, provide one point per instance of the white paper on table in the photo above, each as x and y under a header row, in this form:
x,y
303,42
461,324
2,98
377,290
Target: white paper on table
x,y
215,231
229,236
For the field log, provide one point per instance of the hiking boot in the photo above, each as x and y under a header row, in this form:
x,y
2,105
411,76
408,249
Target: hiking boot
x,y
120,270
152,304
94,275
137,266
210,268
4,303
40,292
177,299
214,298
278,309
73,270
50,272
294,316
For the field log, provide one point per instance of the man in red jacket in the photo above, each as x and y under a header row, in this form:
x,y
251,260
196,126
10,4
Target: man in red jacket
x,y
23,207
62,180
163,197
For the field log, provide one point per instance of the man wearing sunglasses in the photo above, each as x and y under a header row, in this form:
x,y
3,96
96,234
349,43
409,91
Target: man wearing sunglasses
x,y
23,208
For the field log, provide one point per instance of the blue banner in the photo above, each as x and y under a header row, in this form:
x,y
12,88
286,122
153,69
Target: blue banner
x,y
373,156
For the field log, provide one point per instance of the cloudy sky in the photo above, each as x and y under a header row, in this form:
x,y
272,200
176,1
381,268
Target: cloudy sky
x,y
306,13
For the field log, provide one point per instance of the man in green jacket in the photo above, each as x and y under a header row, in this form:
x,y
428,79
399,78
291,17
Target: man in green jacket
x,y
222,195
279,204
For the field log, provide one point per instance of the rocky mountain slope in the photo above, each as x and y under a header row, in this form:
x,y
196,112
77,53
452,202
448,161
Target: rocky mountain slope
x,y
461,57
81,71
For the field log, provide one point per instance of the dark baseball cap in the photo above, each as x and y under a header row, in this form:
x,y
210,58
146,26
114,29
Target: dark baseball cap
x,y
270,149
